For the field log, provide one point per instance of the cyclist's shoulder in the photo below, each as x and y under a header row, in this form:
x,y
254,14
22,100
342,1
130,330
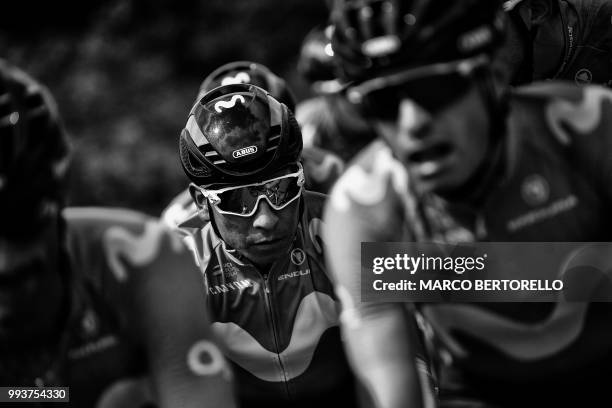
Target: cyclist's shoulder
x,y
100,218
314,203
572,114
180,209
373,176
321,168
117,242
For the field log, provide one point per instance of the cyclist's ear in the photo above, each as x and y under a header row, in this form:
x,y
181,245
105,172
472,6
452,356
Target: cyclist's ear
x,y
197,196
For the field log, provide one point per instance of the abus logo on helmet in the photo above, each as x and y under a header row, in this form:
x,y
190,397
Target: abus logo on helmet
x,y
245,151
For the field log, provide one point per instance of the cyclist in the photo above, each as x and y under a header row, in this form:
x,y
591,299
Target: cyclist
x,y
261,254
559,39
88,297
237,72
320,165
249,72
328,121
458,161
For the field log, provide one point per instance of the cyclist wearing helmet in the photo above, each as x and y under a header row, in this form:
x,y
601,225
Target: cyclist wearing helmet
x,y
315,160
248,72
261,253
86,300
559,39
456,162
328,121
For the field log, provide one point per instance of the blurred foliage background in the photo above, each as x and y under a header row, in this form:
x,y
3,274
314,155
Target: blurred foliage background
x,y
125,73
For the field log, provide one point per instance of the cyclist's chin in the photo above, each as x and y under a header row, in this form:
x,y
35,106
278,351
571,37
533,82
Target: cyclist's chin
x,y
266,253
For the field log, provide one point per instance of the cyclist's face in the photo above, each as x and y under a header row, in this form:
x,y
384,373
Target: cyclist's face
x,y
443,150
263,237
30,287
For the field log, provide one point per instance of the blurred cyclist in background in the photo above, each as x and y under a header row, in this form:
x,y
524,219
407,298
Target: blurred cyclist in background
x,y
328,121
261,254
559,39
248,72
457,162
102,301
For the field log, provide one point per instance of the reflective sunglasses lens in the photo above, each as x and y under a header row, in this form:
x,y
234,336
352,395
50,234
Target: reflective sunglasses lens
x,y
237,201
243,200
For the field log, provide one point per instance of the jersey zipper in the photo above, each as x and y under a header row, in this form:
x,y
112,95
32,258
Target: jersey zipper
x,y
268,296
568,33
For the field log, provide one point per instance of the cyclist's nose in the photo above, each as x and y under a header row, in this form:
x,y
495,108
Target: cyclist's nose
x,y
265,217
413,120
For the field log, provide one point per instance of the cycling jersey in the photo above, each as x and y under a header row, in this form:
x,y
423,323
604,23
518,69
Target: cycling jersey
x,y
136,334
278,327
556,186
585,41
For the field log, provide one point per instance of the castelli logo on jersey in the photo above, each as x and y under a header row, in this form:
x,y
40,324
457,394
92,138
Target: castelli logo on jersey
x,y
245,151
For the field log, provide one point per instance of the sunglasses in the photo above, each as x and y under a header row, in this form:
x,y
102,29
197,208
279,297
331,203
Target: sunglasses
x,y
242,201
433,87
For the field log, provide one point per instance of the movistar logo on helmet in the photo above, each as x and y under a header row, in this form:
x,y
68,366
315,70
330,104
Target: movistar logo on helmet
x,y
380,46
239,78
245,151
475,39
229,104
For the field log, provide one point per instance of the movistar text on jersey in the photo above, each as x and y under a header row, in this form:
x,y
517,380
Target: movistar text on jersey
x,y
468,285
413,264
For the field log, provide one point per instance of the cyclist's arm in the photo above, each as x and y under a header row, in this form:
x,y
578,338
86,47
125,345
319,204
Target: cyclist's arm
x,y
187,367
377,336
156,288
381,354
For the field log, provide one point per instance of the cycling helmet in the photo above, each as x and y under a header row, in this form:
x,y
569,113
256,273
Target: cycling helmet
x,y
374,36
247,72
236,134
316,61
33,152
